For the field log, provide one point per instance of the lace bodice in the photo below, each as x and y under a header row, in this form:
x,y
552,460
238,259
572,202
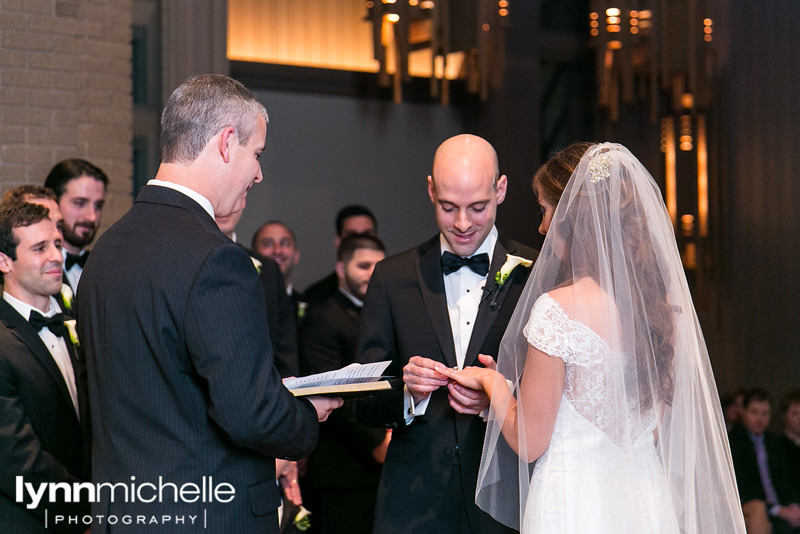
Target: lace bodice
x,y
589,362
583,351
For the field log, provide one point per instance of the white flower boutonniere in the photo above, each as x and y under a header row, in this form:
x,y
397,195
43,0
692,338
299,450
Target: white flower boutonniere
x,y
302,521
72,328
66,296
257,264
501,277
510,264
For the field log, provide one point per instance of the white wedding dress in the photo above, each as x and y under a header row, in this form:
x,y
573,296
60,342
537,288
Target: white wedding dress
x,y
586,481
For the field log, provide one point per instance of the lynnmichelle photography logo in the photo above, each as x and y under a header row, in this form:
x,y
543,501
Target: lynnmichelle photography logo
x,y
161,492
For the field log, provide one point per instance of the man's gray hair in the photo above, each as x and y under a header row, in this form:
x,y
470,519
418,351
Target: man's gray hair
x,y
201,107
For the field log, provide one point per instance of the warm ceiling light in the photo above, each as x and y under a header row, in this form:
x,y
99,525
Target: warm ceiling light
x,y
503,12
613,12
614,45
502,3
391,17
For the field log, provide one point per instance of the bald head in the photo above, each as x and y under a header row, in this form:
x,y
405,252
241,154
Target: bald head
x,y
465,188
463,157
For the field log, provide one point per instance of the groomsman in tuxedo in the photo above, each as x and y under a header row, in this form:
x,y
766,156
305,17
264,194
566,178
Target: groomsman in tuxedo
x,y
171,318
44,419
354,219
438,304
81,191
277,241
280,314
344,469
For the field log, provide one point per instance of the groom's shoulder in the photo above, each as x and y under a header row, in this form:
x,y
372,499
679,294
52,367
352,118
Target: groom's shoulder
x,y
405,261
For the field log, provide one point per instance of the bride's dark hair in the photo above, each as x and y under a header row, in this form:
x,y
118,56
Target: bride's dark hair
x,y
653,316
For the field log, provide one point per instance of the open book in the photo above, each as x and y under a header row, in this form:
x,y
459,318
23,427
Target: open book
x,y
354,380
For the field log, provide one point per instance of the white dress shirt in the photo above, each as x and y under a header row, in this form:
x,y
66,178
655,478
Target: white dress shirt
x,y
74,273
56,345
463,290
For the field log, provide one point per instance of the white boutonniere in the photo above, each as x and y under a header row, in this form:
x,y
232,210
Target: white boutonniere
x,y
510,264
72,328
302,307
66,296
501,277
257,264
302,521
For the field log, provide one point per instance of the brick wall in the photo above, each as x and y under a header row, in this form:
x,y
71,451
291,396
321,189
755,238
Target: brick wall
x,y
65,91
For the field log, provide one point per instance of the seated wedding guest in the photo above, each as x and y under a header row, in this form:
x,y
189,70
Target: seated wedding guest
x,y
759,460
181,379
277,241
790,410
44,418
81,190
351,220
280,317
732,407
344,470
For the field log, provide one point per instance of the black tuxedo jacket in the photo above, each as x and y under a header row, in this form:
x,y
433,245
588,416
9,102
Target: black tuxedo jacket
x,y
343,457
280,315
745,465
42,438
405,314
181,376
319,291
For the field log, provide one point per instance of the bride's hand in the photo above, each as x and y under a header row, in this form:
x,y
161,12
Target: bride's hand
x,y
470,377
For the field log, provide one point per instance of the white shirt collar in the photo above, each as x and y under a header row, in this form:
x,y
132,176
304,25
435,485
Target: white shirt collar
x,y
352,298
25,309
191,193
487,246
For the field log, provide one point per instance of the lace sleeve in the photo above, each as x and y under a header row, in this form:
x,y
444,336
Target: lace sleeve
x,y
548,329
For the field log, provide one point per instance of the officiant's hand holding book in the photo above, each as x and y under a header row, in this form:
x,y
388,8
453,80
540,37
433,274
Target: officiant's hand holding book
x,y
354,380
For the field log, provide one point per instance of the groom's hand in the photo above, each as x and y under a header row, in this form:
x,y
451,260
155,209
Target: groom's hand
x,y
471,401
466,400
420,377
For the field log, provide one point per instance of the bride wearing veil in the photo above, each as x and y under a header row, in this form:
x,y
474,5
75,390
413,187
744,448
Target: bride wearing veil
x,y
604,415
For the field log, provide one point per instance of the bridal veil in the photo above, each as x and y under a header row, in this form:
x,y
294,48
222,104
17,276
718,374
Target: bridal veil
x,y
611,226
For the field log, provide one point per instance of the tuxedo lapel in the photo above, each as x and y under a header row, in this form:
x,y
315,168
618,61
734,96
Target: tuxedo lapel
x,y
486,312
23,331
79,370
431,283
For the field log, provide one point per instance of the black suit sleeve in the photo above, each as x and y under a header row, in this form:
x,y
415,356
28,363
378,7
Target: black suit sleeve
x,y
22,453
246,397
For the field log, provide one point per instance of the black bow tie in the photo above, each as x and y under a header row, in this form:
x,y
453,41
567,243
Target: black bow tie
x,y
73,259
479,263
54,323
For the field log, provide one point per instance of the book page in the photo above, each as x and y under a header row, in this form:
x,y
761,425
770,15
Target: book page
x,y
350,374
